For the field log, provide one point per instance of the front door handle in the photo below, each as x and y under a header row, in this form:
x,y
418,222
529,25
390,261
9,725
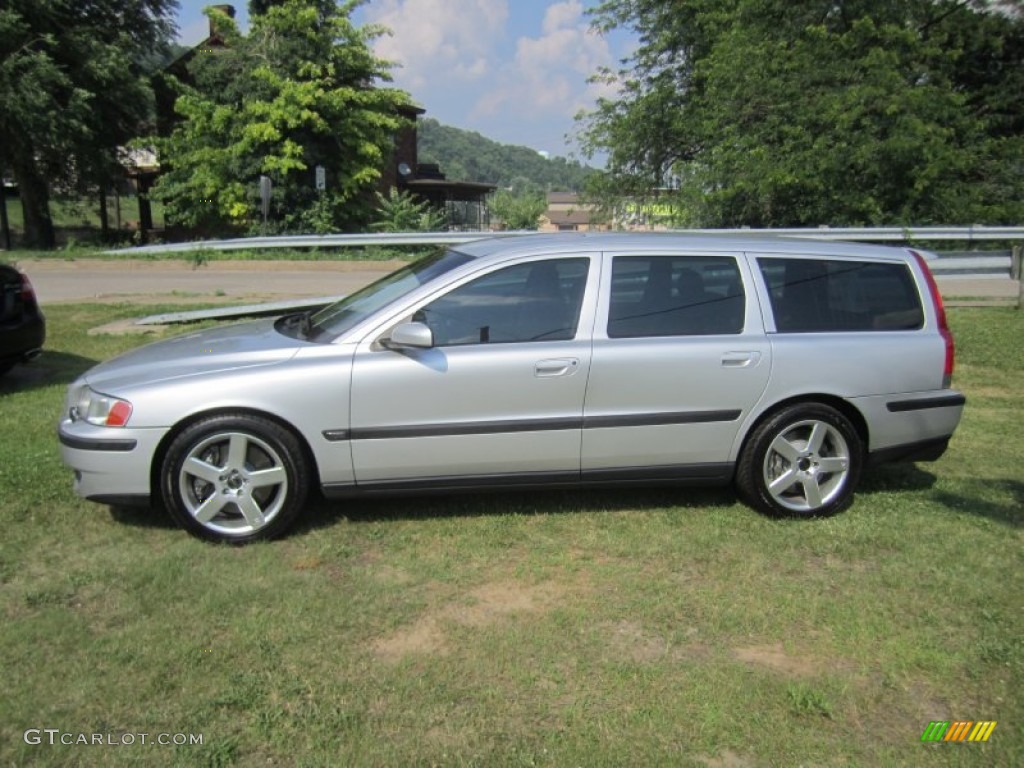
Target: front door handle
x,y
740,359
563,366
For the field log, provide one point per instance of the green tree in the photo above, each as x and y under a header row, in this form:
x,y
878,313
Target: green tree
x,y
518,211
400,212
298,91
73,86
769,113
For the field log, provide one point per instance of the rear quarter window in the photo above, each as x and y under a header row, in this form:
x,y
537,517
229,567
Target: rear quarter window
x,y
821,295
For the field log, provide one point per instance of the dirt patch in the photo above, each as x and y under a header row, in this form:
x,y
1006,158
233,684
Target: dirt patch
x,y
493,601
390,574
774,657
727,759
832,563
630,640
424,637
484,606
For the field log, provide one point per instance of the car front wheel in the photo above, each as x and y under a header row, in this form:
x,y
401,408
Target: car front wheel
x,y
805,460
234,478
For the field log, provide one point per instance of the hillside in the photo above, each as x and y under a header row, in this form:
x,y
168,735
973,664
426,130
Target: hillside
x,y
468,156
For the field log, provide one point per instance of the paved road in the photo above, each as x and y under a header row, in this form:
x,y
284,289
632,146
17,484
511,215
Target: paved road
x,y
146,281
84,280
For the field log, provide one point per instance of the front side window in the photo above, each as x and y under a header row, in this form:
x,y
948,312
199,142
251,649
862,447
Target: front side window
x,y
823,295
535,301
675,296
334,319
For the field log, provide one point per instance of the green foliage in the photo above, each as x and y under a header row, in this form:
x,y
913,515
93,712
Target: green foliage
x,y
468,156
73,87
296,92
518,211
400,212
766,113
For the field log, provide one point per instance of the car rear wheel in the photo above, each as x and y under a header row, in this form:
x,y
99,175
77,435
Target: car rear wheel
x,y
805,460
234,478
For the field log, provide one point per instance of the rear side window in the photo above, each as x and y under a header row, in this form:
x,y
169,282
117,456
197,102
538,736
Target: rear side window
x,y
675,296
817,295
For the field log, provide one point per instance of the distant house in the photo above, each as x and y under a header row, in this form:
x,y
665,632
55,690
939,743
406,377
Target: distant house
x,y
565,213
143,166
463,203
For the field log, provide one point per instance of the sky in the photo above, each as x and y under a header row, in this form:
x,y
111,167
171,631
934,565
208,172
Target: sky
x,y
513,70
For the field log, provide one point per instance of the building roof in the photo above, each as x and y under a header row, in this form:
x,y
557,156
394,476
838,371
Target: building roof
x,y
567,217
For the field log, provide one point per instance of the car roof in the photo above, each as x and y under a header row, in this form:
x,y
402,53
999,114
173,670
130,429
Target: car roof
x,y
566,242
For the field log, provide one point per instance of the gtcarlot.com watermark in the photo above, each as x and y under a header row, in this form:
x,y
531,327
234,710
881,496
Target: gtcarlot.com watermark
x,y
55,736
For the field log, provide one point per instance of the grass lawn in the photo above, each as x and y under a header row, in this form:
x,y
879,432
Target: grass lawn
x,y
670,627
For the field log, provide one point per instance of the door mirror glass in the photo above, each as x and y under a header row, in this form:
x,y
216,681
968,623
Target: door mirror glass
x,y
411,335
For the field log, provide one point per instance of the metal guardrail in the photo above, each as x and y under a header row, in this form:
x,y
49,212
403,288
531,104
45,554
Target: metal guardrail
x,y
967,234
882,234
313,241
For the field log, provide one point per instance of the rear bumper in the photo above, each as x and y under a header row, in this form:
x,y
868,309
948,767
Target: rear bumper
x,y
23,342
910,426
924,450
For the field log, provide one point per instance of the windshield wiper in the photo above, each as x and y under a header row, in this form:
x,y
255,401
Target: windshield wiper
x,y
306,320
303,320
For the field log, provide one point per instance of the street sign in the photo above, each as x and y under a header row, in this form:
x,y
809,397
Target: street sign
x,y
265,187
321,178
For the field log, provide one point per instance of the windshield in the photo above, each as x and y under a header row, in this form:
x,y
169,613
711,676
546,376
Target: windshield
x,y
334,319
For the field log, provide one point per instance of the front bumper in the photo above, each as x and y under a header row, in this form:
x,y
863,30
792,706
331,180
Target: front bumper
x,y
110,464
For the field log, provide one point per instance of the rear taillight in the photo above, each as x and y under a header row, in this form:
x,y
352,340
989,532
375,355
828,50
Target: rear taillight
x,y
28,293
940,316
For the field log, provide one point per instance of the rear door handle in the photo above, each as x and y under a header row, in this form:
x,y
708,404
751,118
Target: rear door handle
x,y
740,359
563,366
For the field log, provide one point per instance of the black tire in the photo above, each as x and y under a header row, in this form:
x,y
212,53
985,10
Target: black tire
x,y
235,478
803,461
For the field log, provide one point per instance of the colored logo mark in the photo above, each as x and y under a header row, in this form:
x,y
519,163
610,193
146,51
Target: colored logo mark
x,y
958,730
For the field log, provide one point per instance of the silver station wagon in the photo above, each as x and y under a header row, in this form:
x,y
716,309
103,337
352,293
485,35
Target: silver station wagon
x,y
783,366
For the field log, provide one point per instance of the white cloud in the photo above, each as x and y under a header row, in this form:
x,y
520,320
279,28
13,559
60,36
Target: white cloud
x,y
438,38
548,75
514,70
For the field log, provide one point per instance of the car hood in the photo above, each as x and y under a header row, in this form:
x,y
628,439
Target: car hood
x,y
213,350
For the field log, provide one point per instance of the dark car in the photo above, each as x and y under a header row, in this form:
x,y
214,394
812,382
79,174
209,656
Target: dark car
x,y
22,326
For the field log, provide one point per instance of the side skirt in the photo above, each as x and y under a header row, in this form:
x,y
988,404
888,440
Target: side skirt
x,y
684,474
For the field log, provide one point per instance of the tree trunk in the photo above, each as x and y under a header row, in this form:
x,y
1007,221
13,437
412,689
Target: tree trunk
x,y
35,203
104,219
5,227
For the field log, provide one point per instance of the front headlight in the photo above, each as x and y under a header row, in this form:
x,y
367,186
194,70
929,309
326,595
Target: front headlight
x,y
101,410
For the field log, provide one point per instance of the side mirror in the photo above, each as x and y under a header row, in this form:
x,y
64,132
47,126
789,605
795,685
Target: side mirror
x,y
411,335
